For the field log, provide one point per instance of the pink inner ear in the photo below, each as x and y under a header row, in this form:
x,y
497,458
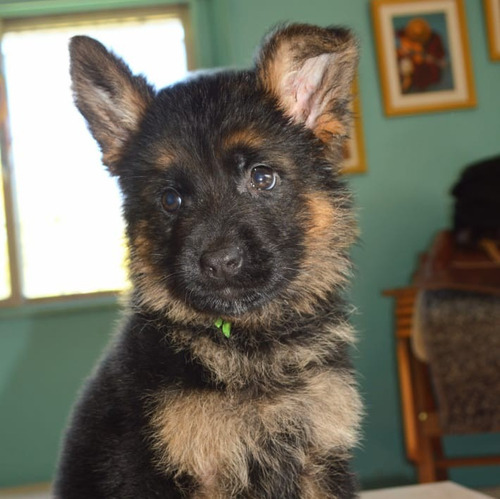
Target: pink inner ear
x,y
305,87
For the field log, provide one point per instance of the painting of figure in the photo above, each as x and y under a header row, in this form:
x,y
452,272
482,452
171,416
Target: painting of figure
x,y
422,53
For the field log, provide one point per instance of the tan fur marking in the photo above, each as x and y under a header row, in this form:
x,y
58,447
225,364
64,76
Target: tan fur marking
x,y
137,105
243,137
326,127
165,159
311,488
322,218
210,434
274,72
329,233
204,435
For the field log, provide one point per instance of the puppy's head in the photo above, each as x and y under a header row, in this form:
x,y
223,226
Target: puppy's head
x,y
230,180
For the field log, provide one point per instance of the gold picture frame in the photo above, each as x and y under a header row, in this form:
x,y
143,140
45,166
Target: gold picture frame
x,y
423,55
492,16
354,160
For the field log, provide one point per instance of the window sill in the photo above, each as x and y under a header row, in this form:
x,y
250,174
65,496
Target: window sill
x,y
61,305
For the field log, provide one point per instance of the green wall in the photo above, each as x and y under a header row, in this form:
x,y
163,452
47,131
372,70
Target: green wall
x,y
45,352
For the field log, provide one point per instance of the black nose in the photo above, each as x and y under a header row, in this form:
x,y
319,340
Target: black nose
x,y
222,262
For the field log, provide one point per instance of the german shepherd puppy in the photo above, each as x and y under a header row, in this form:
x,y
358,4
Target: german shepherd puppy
x,y
230,376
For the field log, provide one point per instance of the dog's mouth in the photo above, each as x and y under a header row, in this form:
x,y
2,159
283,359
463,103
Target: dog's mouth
x,y
228,300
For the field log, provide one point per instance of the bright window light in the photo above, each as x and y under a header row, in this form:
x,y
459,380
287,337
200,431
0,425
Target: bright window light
x,y
68,206
4,254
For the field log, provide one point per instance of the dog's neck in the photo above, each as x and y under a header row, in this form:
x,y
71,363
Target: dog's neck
x,y
261,358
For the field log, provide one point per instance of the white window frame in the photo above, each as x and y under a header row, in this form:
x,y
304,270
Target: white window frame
x,y
180,12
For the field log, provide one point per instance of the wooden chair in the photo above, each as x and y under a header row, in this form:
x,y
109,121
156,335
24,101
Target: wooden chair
x,y
422,431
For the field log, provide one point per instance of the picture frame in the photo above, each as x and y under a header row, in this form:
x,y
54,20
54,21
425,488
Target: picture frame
x,y
354,160
492,16
423,55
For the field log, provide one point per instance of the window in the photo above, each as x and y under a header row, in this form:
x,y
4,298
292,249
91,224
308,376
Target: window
x,y
69,233
4,253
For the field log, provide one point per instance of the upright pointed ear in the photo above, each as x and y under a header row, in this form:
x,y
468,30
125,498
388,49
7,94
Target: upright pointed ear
x,y
112,100
309,70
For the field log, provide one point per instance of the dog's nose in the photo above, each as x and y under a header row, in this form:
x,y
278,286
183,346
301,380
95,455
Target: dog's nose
x,y
222,262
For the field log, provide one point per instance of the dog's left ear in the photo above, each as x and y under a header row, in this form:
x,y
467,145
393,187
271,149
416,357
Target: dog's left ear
x,y
109,96
309,70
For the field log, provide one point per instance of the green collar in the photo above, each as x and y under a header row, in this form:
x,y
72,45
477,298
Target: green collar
x,y
224,326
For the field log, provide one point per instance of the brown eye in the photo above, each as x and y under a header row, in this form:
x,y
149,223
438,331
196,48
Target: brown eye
x,y
171,200
263,178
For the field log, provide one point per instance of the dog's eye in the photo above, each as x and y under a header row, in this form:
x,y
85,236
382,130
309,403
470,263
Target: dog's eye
x,y
263,178
171,200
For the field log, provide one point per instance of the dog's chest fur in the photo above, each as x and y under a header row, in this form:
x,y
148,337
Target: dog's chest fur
x,y
226,439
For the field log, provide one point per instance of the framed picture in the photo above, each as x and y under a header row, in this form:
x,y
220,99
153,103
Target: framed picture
x,y
423,54
492,14
354,151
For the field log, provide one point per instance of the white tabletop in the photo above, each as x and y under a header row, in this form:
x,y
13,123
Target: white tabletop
x,y
439,490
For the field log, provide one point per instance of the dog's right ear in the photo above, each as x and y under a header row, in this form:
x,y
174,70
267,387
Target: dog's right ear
x,y
309,71
110,97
